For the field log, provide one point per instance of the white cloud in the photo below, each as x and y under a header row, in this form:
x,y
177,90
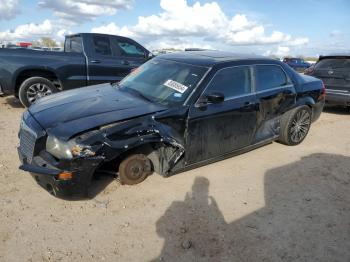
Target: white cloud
x,y
180,43
8,9
78,11
281,51
61,33
335,33
200,22
113,29
29,31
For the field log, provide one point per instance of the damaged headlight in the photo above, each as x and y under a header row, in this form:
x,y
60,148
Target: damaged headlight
x,y
67,150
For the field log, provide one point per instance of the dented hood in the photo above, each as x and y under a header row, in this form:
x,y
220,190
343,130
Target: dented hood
x,y
71,112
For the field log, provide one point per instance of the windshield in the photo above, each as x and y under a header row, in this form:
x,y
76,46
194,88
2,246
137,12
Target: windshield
x,y
163,81
333,63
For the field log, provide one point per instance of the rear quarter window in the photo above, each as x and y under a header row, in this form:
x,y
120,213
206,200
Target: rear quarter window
x,y
269,76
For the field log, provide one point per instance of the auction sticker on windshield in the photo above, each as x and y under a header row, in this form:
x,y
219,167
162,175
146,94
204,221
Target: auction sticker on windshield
x,y
176,86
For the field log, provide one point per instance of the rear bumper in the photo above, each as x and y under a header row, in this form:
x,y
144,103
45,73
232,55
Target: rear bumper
x,y
46,175
338,98
317,110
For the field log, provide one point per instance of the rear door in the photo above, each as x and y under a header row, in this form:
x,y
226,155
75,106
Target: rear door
x,y
275,93
335,74
71,69
216,129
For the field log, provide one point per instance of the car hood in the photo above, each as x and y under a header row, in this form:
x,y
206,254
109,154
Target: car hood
x,y
71,112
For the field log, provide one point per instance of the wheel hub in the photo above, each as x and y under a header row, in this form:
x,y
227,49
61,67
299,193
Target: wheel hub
x,y
37,91
300,126
135,169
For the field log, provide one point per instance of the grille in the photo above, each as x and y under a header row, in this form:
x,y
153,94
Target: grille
x,y
27,142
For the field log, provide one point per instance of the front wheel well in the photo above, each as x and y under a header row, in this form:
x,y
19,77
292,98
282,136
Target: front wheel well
x,y
24,75
150,150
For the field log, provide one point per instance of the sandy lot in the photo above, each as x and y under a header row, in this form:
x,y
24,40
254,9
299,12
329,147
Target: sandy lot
x,y
276,203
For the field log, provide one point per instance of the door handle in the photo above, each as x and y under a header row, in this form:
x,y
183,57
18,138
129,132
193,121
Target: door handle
x,y
124,62
250,106
95,61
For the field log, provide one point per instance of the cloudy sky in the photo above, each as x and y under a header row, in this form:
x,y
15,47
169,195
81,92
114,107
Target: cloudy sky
x,y
280,27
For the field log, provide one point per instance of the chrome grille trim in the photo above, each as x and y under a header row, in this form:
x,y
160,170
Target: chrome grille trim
x,y
27,141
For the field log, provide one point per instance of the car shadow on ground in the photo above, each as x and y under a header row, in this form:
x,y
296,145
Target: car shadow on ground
x,y
306,218
99,184
13,102
337,110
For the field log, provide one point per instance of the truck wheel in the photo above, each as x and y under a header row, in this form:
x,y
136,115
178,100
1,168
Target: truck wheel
x,y
295,125
134,169
34,88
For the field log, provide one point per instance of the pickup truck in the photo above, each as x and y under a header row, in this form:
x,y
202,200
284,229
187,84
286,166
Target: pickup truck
x,y
297,64
88,59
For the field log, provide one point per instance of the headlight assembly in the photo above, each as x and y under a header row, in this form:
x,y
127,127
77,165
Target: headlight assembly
x,y
67,150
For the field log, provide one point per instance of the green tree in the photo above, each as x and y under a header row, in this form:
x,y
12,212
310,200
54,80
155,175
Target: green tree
x,y
48,42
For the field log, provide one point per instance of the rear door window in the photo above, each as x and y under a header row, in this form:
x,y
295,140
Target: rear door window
x,y
102,45
231,82
334,63
73,44
269,76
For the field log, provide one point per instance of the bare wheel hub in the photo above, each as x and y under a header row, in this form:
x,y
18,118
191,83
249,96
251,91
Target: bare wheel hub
x,y
135,169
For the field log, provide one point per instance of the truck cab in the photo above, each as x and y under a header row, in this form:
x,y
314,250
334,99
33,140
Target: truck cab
x,y
109,58
88,59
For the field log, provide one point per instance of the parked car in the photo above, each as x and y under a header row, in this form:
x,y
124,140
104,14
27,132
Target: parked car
x,y
334,71
175,112
87,59
297,64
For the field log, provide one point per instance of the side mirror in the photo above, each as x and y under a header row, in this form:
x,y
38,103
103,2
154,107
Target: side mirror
x,y
149,55
215,98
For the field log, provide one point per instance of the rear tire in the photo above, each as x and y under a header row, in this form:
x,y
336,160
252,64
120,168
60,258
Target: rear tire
x,y
134,169
34,88
295,125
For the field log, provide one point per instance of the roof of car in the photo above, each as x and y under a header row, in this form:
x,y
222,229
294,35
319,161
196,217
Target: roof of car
x,y
209,57
336,55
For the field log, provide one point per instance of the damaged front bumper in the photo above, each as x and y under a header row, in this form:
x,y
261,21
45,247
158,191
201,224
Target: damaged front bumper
x,y
47,173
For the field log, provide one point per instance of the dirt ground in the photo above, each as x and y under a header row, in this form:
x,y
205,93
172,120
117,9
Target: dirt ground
x,y
276,203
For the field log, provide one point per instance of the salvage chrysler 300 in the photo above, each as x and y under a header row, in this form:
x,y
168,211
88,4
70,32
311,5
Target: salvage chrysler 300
x,y
175,112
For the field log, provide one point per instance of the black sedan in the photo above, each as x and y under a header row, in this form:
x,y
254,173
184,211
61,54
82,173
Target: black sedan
x,y
175,112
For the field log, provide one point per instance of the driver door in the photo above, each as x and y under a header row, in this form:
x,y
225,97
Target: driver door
x,y
217,128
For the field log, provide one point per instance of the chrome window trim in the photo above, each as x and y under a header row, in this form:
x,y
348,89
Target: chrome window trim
x,y
274,88
253,82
